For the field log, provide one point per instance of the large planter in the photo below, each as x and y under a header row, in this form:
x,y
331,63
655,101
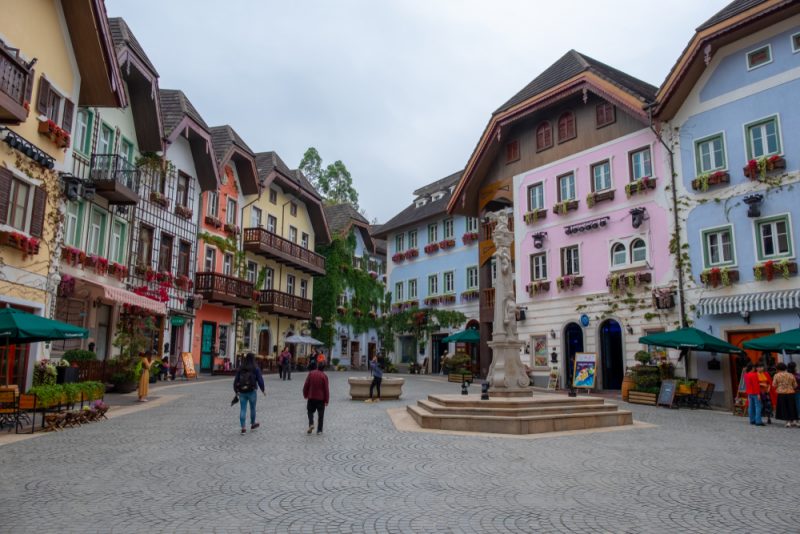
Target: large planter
x,y
638,397
125,387
627,384
391,387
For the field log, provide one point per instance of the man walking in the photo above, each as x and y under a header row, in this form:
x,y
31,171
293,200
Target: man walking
x,y
377,378
316,392
248,377
753,390
286,364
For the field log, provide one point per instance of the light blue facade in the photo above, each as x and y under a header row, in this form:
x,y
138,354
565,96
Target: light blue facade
x,y
726,100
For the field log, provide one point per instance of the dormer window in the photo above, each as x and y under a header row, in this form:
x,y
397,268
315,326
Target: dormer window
x,y
421,202
436,196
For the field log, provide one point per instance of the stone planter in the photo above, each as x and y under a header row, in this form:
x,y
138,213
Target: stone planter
x,y
391,387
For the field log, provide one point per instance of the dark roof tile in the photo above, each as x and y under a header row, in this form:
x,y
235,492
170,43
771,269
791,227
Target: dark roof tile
x,y
123,36
174,106
223,137
731,10
412,214
341,216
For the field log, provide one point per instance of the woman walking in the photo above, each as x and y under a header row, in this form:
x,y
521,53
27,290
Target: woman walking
x,y
144,378
791,367
785,384
377,378
247,379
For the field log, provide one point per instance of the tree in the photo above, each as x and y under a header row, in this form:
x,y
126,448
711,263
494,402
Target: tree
x,y
334,182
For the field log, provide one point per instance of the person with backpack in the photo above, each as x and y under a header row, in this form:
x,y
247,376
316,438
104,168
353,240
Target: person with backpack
x,y
317,394
247,379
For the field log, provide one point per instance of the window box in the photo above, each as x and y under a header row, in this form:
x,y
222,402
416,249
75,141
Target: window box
x,y
717,276
757,169
411,253
469,238
532,216
72,255
185,283
618,281
55,133
470,295
432,301
599,196
639,186
159,199
213,221
702,182
119,271
398,257
232,229
99,263
164,278
447,243
663,299
569,282
183,211
768,270
534,288
561,208
28,245
430,248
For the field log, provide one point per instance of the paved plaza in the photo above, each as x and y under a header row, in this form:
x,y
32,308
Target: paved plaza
x,y
182,466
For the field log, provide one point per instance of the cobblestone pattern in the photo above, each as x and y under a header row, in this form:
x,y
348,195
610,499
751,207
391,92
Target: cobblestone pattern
x,y
184,467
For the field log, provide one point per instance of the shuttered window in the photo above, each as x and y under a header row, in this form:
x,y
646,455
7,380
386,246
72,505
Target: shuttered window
x,y
544,136
605,114
566,126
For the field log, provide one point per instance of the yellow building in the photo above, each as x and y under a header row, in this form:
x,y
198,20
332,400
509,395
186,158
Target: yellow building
x,y
54,56
282,224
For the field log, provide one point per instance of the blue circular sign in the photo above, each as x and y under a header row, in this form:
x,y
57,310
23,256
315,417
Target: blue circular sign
x,y
585,320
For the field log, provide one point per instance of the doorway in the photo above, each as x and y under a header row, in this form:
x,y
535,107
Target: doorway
x,y
438,347
207,339
355,354
263,343
372,350
573,343
612,354
101,336
737,362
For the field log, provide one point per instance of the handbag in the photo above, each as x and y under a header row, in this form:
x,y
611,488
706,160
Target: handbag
x,y
235,399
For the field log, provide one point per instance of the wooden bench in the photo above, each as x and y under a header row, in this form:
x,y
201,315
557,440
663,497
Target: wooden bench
x,y
459,378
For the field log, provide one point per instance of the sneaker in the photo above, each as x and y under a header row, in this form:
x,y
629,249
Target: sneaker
x,y
244,430
788,425
760,424
254,426
319,432
368,400
377,400
310,429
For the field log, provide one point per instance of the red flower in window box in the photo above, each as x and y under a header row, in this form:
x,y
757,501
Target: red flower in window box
x,y
100,265
72,255
28,245
164,276
430,248
213,221
118,270
411,253
149,274
183,211
447,243
398,257
232,229
469,237
184,282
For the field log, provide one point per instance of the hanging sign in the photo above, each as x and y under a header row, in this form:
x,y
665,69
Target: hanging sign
x,y
585,320
177,320
585,371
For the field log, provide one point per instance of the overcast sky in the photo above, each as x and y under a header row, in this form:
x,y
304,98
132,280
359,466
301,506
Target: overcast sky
x,y
400,91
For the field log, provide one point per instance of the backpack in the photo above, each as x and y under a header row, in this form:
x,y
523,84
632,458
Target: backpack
x,y
247,380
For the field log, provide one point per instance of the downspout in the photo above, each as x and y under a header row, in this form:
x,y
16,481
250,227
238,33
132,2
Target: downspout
x,y
676,219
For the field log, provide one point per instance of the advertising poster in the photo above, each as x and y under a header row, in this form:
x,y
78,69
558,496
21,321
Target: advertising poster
x,y
585,370
540,351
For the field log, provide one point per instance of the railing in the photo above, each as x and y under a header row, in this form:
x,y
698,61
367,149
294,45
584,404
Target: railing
x,y
488,227
223,284
114,168
284,303
487,298
260,240
13,75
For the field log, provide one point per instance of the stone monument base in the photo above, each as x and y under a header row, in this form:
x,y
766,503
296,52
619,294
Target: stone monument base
x,y
510,392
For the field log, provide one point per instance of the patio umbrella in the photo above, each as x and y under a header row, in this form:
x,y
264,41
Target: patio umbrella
x,y
689,339
18,327
470,335
788,341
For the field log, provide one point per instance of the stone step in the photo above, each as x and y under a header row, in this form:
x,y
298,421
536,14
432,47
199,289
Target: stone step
x,y
492,409
533,424
473,401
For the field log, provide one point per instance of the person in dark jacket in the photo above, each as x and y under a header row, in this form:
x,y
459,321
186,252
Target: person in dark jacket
x,y
247,379
316,392
377,378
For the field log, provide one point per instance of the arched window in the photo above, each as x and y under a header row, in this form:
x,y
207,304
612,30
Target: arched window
x,y
544,136
638,251
566,126
619,255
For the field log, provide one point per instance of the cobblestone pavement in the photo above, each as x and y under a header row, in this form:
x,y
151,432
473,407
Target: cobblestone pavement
x,y
183,467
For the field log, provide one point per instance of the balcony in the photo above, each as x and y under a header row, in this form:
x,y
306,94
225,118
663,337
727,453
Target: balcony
x,y
280,303
115,179
272,246
487,305
224,289
14,74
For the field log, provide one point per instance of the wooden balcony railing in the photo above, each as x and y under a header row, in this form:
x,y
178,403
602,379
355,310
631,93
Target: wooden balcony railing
x,y
13,80
115,178
265,243
487,305
488,227
224,289
280,303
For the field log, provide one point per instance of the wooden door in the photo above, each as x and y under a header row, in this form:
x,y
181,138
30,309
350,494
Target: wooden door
x,y
737,363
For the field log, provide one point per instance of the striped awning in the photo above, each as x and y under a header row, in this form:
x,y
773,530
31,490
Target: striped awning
x,y
751,302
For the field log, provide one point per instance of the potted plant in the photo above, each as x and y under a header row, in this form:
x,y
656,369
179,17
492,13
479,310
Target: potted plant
x,y
643,357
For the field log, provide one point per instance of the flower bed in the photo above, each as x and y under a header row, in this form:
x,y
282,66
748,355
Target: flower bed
x,y
28,245
535,288
569,282
561,208
640,186
767,270
532,216
757,169
716,277
702,182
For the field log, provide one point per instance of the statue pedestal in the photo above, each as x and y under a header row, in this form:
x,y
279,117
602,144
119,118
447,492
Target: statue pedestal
x,y
507,376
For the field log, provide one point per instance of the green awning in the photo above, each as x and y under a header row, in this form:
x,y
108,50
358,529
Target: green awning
x,y
470,335
690,338
788,341
17,326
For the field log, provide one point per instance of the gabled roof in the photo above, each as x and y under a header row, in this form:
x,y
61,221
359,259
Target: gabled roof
x,y
380,244
413,214
571,64
123,36
572,74
343,217
174,107
228,146
735,21
268,162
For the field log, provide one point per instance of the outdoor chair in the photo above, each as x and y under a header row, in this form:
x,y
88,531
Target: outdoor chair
x,y
9,409
703,396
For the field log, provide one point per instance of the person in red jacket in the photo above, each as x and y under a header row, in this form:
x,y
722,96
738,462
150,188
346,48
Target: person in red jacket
x,y
753,391
316,392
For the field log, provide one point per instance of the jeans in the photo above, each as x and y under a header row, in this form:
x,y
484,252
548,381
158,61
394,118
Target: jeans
x,y
316,406
376,382
287,371
244,399
754,409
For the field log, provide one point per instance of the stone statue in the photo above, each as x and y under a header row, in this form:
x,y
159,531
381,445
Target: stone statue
x,y
506,374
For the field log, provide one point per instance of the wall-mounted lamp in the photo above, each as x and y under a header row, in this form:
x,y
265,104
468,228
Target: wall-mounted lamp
x,y
710,329
522,313
554,357
629,329
744,314
538,239
753,204
72,186
553,334
637,216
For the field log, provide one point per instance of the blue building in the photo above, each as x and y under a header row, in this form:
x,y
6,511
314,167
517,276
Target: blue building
x,y
730,106
432,261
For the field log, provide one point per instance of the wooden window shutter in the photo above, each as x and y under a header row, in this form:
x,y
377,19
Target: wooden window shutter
x,y
69,111
5,194
38,212
43,96
29,86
